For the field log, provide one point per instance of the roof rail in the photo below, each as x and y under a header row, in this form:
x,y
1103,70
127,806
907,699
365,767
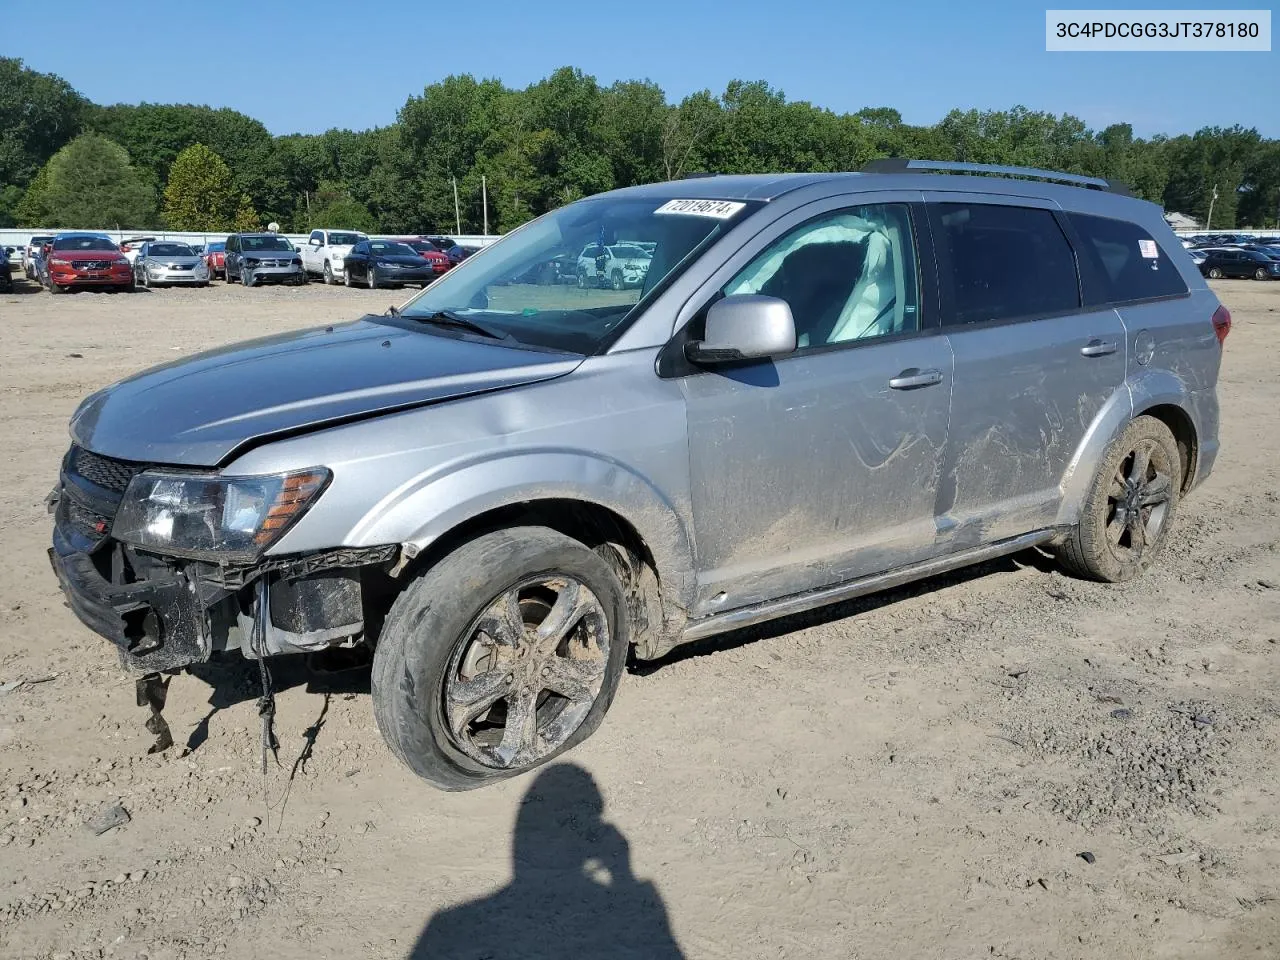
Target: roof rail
x,y
903,165
698,175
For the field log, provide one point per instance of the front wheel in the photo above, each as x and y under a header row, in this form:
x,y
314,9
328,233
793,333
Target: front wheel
x,y
372,277
615,280
328,274
1215,273
1261,274
498,658
1128,511
247,278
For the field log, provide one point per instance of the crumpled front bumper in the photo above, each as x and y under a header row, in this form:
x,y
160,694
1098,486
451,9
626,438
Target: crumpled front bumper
x,y
157,624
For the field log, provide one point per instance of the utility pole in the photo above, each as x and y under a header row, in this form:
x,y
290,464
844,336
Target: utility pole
x,y
484,202
1209,219
457,211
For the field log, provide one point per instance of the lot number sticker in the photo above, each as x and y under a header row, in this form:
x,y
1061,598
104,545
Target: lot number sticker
x,y
719,209
1149,249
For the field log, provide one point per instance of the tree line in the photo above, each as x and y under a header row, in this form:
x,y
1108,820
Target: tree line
x,y
65,161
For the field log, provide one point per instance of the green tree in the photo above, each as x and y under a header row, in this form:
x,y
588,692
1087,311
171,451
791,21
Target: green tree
x,y
247,218
334,207
39,113
90,183
200,194
33,208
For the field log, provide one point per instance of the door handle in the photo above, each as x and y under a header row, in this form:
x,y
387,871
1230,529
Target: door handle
x,y
912,378
1098,348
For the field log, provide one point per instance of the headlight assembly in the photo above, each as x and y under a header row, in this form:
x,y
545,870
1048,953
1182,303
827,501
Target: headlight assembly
x,y
214,518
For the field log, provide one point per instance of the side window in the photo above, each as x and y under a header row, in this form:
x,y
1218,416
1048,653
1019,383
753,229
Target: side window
x,y
1005,262
317,236
361,247
1128,263
848,275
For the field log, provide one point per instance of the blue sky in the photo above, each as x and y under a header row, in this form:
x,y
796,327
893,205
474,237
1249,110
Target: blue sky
x,y
308,65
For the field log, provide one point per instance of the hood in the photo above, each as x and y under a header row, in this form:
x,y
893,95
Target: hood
x,y
86,254
202,410
408,261
171,261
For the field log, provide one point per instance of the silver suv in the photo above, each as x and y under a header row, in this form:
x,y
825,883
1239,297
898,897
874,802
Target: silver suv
x,y
827,385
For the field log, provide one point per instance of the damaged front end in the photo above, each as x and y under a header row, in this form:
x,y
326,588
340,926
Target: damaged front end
x,y
164,610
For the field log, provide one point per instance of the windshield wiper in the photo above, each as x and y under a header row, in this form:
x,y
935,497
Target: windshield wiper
x,y
447,318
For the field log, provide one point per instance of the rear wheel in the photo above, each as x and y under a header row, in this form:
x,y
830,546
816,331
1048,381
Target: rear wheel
x,y
503,655
1130,507
1215,273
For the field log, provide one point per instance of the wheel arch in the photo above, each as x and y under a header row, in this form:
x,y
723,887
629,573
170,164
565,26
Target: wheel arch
x,y
1158,394
598,502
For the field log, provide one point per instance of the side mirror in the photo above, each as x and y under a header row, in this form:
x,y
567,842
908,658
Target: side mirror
x,y
745,327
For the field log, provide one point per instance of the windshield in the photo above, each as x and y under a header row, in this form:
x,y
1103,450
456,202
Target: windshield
x,y
255,244
389,248
84,243
423,246
555,282
170,250
216,248
344,239
38,241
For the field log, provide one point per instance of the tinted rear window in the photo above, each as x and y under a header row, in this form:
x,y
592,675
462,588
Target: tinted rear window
x,y
1005,262
1128,263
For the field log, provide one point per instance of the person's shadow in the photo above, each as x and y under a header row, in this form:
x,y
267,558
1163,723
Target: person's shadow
x,y
573,894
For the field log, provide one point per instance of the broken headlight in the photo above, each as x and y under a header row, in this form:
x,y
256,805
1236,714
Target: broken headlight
x,y
214,518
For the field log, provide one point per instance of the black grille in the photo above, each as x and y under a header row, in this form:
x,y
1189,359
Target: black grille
x,y
90,524
109,474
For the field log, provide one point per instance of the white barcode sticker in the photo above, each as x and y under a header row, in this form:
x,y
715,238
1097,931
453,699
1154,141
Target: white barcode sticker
x,y
1149,249
719,209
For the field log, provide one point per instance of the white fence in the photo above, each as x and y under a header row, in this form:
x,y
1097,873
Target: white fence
x,y
20,238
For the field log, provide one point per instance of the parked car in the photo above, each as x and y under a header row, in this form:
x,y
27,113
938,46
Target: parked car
x,y
197,249
253,258
31,253
1240,263
440,262
131,247
6,277
214,259
163,263
505,495
618,266
386,263
73,261
326,250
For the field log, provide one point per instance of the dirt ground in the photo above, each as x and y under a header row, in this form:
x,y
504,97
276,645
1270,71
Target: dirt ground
x,y
914,776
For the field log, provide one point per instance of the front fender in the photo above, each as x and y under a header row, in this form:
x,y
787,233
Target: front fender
x,y
427,507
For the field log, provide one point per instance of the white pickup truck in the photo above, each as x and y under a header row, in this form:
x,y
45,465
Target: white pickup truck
x,y
325,252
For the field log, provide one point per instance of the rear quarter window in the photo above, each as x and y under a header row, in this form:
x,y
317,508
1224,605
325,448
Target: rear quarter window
x,y
1127,263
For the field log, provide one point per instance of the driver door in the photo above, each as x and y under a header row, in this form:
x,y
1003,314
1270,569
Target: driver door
x,y
823,466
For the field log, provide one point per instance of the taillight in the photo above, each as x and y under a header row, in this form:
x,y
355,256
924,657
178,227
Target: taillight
x,y
1221,322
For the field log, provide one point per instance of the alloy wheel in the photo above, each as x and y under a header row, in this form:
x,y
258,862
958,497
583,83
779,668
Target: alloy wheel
x,y
526,673
1138,500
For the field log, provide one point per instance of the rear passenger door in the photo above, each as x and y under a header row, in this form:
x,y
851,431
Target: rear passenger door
x,y
1033,366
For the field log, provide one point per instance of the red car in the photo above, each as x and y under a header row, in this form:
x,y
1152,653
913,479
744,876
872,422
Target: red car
x,y
215,258
74,260
440,263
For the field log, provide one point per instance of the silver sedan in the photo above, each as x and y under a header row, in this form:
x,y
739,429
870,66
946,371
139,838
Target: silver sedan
x,y
162,263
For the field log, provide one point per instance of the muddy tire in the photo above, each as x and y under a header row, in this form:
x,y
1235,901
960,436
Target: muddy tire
x,y
500,657
1130,507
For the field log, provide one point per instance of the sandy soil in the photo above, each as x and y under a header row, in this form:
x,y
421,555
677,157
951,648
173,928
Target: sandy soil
x,y
915,776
